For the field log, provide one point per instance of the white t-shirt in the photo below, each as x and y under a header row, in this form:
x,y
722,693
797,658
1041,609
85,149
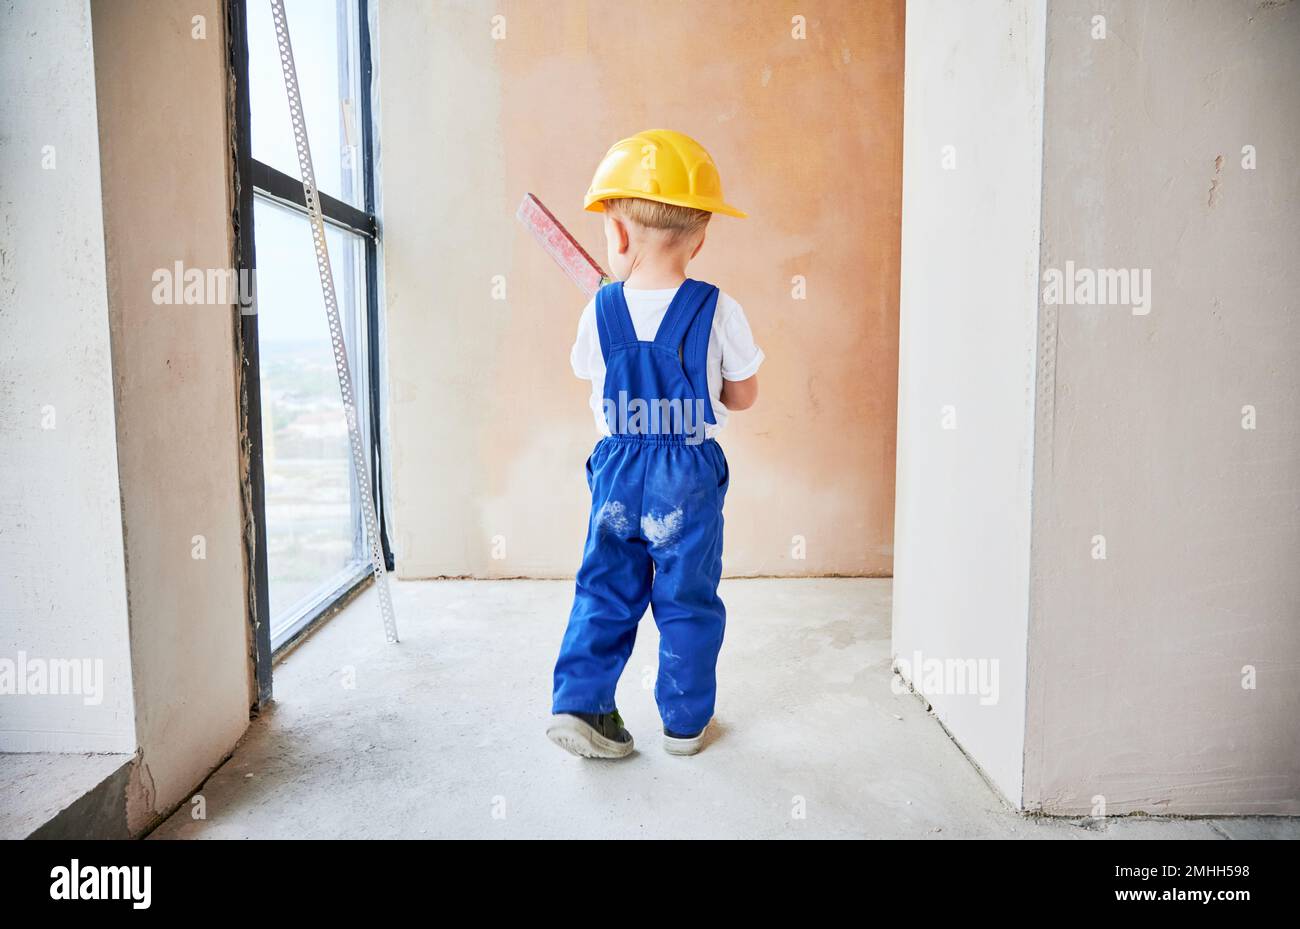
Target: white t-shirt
x,y
732,352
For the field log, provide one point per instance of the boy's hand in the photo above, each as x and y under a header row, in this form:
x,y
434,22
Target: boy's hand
x,y
740,395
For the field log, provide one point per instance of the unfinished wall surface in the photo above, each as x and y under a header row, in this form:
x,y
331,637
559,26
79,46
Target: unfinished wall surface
x,y
167,194
971,174
489,427
61,570
1140,681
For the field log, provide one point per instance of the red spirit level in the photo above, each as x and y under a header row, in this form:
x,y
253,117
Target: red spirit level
x,y
564,248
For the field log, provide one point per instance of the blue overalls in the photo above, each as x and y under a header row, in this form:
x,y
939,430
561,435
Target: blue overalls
x,y
655,534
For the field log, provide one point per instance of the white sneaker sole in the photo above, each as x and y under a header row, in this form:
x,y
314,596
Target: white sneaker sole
x,y
577,738
685,746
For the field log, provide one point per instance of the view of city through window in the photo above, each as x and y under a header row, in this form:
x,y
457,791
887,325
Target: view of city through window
x,y
314,532
312,521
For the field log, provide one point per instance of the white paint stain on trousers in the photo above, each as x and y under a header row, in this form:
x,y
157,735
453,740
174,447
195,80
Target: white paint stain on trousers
x,y
660,530
613,516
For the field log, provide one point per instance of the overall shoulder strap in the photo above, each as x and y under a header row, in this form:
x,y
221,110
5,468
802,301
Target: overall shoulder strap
x,y
688,325
613,321
695,352
686,303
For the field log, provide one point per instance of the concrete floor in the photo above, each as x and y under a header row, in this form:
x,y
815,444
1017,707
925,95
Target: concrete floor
x,y
442,735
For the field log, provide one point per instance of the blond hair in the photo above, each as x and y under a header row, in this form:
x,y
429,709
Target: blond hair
x,y
678,222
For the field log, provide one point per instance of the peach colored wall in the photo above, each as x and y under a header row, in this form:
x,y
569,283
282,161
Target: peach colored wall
x,y
489,427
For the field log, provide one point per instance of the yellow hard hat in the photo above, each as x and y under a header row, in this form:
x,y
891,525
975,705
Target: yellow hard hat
x,y
659,165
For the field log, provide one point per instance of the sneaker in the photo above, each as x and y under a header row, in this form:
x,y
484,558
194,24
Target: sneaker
x,y
591,735
677,743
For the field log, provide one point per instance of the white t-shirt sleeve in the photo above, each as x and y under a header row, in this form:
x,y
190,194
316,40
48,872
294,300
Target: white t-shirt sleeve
x,y
586,344
740,356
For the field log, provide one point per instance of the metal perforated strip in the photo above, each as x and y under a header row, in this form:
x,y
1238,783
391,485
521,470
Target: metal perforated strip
x,y
335,323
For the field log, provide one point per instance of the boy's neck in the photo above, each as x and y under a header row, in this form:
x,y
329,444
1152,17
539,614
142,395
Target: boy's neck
x,y
655,272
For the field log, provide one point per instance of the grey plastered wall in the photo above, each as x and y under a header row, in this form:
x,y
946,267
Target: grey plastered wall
x,y
1136,661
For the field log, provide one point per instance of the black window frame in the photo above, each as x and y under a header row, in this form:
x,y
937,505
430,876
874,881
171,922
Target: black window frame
x,y
255,178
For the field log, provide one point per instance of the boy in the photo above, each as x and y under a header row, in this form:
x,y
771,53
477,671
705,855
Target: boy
x,y
668,359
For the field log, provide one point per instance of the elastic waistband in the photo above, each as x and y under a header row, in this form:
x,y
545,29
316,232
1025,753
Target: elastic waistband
x,y
656,439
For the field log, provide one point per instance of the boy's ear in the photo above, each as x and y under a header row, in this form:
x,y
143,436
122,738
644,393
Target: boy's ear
x,y
699,245
618,234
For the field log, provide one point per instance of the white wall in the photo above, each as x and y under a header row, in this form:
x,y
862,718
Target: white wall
x,y
968,301
62,589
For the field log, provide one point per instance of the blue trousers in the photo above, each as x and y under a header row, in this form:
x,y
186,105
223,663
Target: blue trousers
x,y
654,539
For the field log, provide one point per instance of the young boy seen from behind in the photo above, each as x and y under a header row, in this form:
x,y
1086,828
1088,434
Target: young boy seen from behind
x,y
669,358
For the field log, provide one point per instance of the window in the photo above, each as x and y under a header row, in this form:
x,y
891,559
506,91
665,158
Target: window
x,y
310,528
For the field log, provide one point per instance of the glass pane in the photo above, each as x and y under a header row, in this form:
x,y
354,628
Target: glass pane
x,y
313,519
325,49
